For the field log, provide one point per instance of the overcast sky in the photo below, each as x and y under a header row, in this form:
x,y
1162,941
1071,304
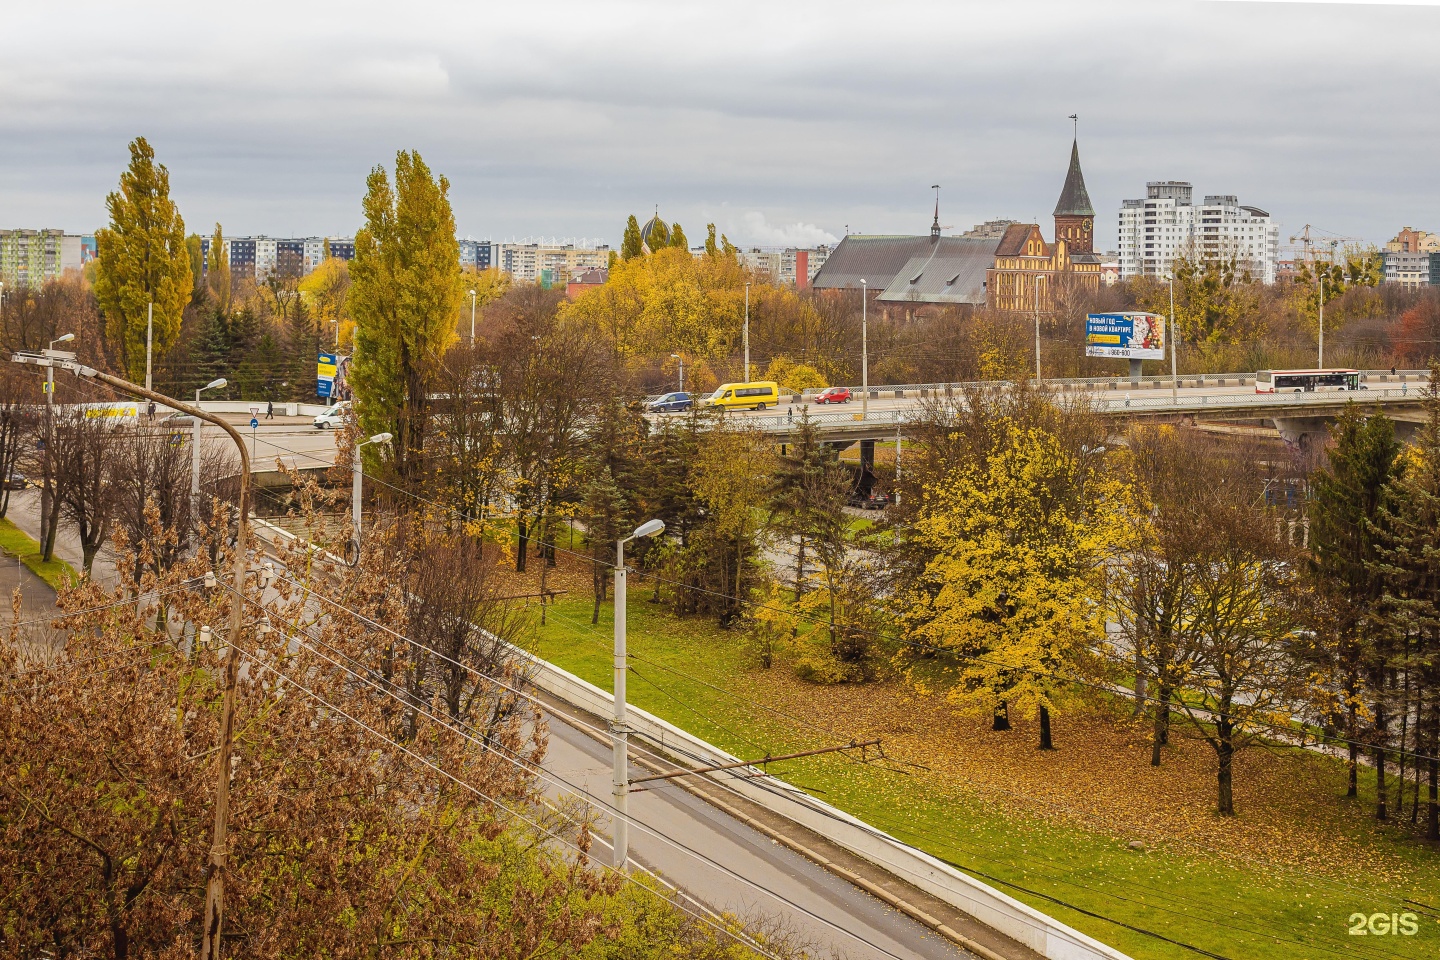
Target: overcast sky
x,y
781,121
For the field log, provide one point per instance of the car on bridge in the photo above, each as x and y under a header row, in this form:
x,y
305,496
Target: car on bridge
x,y
670,403
834,395
742,396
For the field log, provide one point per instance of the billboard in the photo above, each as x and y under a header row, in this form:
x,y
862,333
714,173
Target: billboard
x,y
1127,336
325,367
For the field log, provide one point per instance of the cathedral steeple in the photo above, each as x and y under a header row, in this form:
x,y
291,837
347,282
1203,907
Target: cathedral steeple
x,y
1074,217
935,227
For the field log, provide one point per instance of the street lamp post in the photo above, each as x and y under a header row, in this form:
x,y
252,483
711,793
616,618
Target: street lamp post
x,y
195,450
1320,362
1174,344
676,356
47,483
864,351
619,729
747,333
149,340
356,474
1036,291
215,884
472,318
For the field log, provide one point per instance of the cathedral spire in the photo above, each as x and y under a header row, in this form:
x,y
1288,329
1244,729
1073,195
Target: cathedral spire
x,y
935,227
1074,198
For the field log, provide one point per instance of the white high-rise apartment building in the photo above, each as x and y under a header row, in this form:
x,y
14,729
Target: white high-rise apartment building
x,y
1167,225
554,262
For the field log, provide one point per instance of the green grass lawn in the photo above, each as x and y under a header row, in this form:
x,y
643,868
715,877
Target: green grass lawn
x,y
1237,911
17,543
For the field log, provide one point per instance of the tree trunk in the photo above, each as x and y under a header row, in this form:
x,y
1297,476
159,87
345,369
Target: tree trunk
x,y
1352,785
1380,812
1045,742
597,578
51,528
1161,735
522,530
1225,752
1002,717
799,569
1432,806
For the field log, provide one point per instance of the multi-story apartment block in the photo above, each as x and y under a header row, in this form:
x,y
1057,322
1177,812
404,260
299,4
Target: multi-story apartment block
x,y
1168,225
28,258
477,254
1412,268
551,263
784,266
1410,240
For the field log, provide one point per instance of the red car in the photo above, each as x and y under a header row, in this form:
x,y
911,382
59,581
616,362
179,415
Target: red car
x,y
833,395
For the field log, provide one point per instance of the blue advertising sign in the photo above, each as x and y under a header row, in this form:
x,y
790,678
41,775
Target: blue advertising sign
x,y
1126,336
325,367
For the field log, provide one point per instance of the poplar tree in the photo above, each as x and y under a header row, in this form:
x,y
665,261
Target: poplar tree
x,y
217,272
631,245
405,294
677,237
141,258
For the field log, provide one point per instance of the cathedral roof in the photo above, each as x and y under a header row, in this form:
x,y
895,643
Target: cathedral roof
x,y
1074,198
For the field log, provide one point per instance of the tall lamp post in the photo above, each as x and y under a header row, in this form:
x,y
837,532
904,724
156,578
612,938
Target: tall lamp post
x,y
472,318
747,333
47,481
1036,291
356,475
676,356
619,729
864,351
195,449
1320,362
215,885
1174,343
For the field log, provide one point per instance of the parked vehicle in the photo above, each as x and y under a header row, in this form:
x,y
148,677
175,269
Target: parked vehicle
x,y
670,403
834,395
874,500
741,396
17,481
332,417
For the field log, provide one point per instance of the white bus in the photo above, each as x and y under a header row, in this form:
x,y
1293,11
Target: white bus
x,y
1304,381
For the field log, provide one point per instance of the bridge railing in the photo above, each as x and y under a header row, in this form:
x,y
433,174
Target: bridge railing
x,y
836,421
920,391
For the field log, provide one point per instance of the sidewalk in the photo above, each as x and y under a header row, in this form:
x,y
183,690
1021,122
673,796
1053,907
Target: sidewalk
x,y
24,512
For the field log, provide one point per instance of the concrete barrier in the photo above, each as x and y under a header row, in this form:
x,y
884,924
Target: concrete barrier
x,y
1044,934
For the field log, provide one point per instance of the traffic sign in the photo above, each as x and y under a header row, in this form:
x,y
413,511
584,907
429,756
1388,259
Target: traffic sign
x,y
254,423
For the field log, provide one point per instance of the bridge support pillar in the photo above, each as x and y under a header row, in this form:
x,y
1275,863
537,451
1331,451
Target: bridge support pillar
x,y
1303,433
867,457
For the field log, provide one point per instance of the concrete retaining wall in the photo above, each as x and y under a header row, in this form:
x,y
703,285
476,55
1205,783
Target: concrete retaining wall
x,y
1043,934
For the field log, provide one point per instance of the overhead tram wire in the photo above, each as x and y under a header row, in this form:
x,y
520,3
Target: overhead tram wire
x,y
794,797
579,792
260,662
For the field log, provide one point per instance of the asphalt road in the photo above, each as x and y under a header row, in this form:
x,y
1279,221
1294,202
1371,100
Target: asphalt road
x,y
863,927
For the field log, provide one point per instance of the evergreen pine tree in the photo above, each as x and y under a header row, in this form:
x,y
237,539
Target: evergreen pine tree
x,y
1410,566
141,258
1344,508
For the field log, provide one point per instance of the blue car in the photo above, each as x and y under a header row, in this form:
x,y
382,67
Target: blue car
x,y
670,403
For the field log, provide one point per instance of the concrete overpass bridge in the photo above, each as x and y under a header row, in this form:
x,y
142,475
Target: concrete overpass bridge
x,y
1298,418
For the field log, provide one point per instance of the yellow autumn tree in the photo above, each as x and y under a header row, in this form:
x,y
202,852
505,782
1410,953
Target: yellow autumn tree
x,y
1011,600
667,302
325,290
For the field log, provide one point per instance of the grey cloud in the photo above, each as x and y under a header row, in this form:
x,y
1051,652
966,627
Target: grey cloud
x,y
564,121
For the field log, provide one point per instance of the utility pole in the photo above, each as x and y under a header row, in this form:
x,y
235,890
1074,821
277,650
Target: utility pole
x,y
619,728
864,351
747,333
47,492
356,490
149,340
1036,289
676,356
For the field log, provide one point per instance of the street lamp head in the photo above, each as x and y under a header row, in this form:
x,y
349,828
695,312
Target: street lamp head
x,y
215,384
63,339
380,438
472,293
648,529
674,356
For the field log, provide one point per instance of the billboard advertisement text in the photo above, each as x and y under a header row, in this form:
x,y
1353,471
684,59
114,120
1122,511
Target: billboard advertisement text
x,y
1126,336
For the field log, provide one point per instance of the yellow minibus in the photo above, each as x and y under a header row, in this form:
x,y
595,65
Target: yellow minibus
x,y
740,396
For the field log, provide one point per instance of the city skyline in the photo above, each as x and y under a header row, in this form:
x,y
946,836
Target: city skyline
x,y
829,117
